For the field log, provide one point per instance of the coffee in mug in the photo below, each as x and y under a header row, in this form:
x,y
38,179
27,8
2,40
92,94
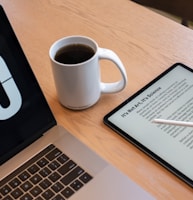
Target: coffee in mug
x,y
74,54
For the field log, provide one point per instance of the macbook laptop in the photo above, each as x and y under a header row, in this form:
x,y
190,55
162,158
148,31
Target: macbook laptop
x,y
40,159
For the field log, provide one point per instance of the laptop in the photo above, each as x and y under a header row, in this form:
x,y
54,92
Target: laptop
x,y
40,159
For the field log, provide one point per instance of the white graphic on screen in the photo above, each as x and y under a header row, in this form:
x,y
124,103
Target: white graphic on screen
x,y
11,90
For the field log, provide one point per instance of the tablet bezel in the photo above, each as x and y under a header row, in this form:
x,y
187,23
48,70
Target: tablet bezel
x,y
134,141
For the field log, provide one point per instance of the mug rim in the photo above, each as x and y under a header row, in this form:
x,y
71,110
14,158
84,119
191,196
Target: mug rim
x,y
52,52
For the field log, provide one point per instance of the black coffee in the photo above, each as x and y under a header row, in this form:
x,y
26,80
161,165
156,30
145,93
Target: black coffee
x,y
74,53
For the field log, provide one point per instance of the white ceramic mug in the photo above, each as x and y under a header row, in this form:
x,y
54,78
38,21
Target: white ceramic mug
x,y
78,85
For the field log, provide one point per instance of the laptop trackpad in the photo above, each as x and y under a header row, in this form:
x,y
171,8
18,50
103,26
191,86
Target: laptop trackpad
x,y
111,184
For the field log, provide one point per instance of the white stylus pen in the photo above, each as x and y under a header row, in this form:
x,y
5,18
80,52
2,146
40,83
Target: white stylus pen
x,y
173,122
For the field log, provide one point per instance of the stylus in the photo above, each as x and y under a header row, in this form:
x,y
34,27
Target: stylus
x,y
173,122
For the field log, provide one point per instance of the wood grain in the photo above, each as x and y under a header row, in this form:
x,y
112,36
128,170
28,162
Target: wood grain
x,y
146,42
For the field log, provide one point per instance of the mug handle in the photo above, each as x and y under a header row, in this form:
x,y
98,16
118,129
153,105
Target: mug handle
x,y
116,86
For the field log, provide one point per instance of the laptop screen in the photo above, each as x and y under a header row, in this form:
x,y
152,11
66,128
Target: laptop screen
x,y
24,112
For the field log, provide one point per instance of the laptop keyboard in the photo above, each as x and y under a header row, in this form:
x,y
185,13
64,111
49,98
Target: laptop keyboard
x,y
48,175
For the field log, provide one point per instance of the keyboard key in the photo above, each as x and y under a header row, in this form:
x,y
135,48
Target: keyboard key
x,y
72,175
48,194
54,177
45,172
45,184
16,193
76,185
26,186
24,176
26,197
53,154
67,167
33,169
7,198
5,190
57,187
63,158
39,198
85,178
42,162
35,179
54,165
67,192
15,182
58,197
36,191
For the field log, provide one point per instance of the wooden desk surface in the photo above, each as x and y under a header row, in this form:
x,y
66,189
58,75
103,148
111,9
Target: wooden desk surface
x,y
146,42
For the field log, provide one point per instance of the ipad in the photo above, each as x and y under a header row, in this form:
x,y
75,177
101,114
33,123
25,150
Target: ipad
x,y
168,96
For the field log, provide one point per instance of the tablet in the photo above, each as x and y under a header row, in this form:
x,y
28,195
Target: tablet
x,y
168,96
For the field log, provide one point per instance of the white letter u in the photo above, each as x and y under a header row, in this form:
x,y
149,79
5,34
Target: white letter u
x,y
11,91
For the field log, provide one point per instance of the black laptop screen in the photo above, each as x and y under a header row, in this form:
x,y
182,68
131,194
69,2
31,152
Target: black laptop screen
x,y
24,112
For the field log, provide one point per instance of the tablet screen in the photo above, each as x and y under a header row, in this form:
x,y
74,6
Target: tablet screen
x,y
169,96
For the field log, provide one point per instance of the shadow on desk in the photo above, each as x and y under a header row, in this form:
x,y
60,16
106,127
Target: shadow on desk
x,y
178,8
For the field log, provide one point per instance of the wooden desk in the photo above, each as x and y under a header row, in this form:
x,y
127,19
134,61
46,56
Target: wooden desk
x,y
146,42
